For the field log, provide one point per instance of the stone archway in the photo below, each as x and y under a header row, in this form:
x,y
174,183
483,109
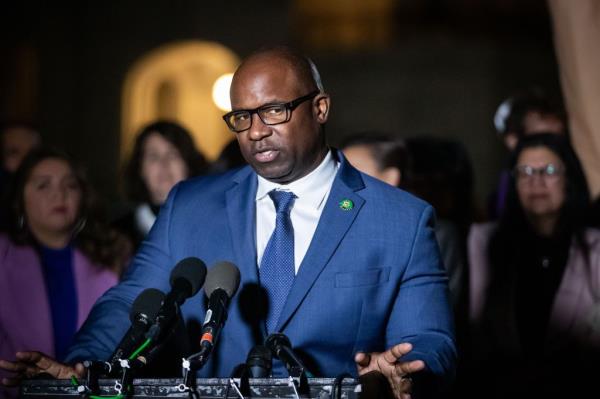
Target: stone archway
x,y
175,82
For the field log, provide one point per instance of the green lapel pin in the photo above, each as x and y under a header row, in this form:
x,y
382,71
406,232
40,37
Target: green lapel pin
x,y
346,204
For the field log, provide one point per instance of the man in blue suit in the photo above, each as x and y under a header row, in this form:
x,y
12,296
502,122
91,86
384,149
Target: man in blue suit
x,y
367,289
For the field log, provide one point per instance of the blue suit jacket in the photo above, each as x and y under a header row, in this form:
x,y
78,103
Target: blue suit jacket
x,y
371,278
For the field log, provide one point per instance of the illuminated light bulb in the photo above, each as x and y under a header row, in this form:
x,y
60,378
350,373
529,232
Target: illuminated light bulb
x,y
220,92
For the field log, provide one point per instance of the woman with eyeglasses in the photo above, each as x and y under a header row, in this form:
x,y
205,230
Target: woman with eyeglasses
x,y
535,279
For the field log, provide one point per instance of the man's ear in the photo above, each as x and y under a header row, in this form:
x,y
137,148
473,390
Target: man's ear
x,y
322,103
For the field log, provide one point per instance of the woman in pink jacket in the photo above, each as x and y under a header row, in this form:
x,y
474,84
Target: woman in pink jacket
x,y
56,260
535,280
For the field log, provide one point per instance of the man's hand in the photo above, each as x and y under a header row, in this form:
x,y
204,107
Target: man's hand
x,y
388,364
30,364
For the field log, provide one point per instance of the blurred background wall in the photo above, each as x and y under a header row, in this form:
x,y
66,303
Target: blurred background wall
x,y
407,67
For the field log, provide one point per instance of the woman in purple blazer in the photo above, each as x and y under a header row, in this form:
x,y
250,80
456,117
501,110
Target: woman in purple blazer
x,y
56,259
535,280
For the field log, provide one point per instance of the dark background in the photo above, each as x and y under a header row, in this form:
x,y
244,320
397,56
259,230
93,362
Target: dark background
x,y
424,67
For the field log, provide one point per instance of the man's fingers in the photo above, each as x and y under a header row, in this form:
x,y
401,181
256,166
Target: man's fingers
x,y
410,367
15,367
56,369
389,363
45,363
362,359
37,362
396,352
29,356
31,364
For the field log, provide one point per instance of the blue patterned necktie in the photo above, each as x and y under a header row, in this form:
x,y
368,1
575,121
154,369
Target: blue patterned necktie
x,y
277,269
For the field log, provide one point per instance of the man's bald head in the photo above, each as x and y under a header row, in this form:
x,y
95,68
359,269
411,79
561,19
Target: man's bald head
x,y
303,68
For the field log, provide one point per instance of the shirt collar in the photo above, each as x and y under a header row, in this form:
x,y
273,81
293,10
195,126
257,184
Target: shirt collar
x,y
310,189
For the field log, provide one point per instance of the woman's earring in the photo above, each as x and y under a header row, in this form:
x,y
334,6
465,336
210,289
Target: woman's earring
x,y
21,222
79,226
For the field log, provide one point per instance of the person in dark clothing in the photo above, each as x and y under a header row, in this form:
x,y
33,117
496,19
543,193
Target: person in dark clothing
x,y
534,280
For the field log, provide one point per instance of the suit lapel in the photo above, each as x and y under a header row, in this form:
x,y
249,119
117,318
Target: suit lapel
x,y
332,227
241,213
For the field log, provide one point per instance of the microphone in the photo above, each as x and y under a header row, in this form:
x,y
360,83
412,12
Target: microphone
x,y
186,279
221,285
259,362
258,365
281,348
142,314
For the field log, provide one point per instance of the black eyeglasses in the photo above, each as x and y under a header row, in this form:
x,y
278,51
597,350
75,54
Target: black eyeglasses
x,y
269,114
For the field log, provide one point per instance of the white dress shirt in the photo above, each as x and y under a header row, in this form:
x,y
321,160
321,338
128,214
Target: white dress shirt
x,y
311,193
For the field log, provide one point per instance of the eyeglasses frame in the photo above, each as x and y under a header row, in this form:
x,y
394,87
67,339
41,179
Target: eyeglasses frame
x,y
541,171
289,107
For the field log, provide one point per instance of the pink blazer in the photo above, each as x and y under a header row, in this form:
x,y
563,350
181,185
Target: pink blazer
x,y
575,315
25,320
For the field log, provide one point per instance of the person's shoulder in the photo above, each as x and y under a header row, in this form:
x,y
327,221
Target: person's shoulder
x,y
7,244
10,251
212,183
377,190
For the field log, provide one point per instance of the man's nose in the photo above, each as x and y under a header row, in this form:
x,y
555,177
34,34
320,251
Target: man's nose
x,y
258,130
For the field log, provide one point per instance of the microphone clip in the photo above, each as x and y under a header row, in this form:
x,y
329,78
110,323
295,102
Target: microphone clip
x,y
94,370
189,380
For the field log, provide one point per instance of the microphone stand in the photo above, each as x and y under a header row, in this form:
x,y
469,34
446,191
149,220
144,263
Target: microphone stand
x,y
190,367
189,377
281,348
94,369
130,366
299,379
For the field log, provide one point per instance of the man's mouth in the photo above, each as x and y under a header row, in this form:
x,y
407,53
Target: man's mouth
x,y
266,155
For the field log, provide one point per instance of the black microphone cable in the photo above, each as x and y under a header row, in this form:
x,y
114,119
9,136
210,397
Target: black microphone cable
x,y
336,389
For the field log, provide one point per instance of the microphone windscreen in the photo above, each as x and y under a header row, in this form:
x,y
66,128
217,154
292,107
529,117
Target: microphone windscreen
x,y
147,303
223,275
193,270
259,361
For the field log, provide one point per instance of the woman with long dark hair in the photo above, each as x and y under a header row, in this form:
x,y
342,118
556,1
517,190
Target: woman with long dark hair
x,y
57,258
164,153
535,278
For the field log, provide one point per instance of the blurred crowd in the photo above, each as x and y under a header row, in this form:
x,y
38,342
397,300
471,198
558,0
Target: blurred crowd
x,y
523,270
